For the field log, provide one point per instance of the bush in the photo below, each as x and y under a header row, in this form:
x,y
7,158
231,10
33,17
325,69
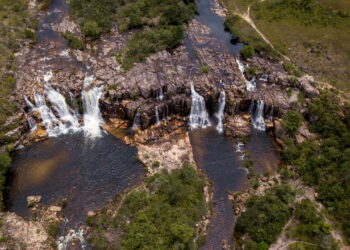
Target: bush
x,y
5,164
91,28
248,51
204,69
73,41
161,216
292,121
265,216
292,69
53,229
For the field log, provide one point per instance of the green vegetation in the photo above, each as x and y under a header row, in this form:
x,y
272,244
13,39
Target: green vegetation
x,y
5,163
265,217
204,69
313,33
292,121
73,41
53,229
162,215
325,163
15,26
248,51
309,228
158,23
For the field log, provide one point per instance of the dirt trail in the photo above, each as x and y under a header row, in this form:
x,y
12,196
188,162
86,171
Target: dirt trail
x,y
246,16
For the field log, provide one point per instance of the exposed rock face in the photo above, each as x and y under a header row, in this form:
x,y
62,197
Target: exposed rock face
x,y
21,233
238,125
168,154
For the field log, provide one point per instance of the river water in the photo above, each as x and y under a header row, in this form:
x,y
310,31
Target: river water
x,y
87,173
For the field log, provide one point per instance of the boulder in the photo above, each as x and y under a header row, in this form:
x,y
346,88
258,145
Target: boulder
x,y
306,85
33,199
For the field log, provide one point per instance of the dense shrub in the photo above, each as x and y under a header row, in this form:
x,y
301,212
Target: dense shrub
x,y
292,121
248,51
265,216
73,41
326,163
161,216
5,163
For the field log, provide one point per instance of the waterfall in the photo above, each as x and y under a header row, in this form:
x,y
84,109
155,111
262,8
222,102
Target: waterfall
x,y
59,102
47,76
31,105
160,95
92,115
250,85
137,121
251,107
32,124
63,241
53,126
220,113
157,116
199,117
258,116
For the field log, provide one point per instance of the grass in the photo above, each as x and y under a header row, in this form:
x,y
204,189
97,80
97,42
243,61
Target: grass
x,y
317,39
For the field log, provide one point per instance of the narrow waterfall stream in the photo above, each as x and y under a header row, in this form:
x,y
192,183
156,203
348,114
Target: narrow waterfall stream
x,y
199,117
220,113
258,121
92,115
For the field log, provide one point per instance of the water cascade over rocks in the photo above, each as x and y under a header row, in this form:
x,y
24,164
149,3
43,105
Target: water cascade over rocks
x,y
32,124
92,115
64,241
258,116
137,121
199,117
220,113
59,103
157,116
251,85
160,95
53,126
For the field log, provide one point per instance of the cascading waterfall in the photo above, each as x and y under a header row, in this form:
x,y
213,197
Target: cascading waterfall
x,y
160,95
63,241
251,85
59,102
92,115
220,113
53,126
30,105
199,117
258,116
157,116
137,121
32,124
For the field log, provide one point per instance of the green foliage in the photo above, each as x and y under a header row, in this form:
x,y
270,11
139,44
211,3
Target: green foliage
x,y
291,69
310,226
161,216
204,69
306,12
53,229
148,41
159,23
5,163
156,164
326,164
73,41
248,51
265,216
292,121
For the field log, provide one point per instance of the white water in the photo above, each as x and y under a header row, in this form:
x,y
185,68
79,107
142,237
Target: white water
x,y
32,124
258,116
31,105
137,121
92,115
220,113
199,117
53,126
64,241
240,150
250,85
160,95
157,116
59,102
